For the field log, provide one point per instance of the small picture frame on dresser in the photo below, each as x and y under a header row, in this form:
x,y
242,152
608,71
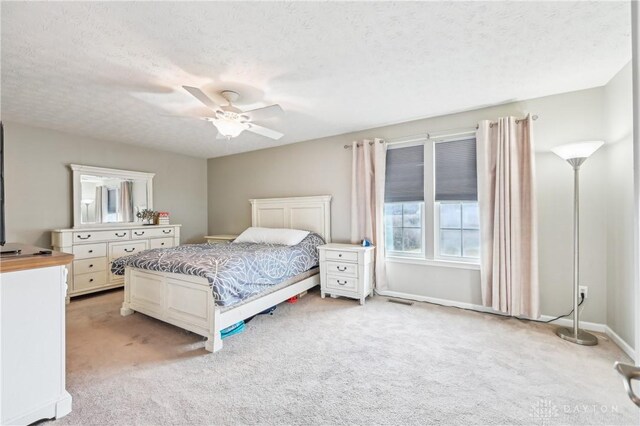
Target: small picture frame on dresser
x,y
346,270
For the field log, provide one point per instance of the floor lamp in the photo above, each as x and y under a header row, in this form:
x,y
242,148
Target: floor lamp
x,y
575,154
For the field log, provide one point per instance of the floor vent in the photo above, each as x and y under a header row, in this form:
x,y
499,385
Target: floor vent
x,y
400,302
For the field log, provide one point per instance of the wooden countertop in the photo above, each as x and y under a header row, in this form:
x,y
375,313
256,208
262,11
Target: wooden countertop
x,y
28,260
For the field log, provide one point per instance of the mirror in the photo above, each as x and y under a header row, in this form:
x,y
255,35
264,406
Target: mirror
x,y
109,196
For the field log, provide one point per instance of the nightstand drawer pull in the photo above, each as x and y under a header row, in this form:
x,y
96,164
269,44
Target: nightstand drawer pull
x,y
166,231
84,238
341,269
130,250
121,235
342,282
138,233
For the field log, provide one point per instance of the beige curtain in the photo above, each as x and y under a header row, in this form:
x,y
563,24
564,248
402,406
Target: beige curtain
x,y
367,200
100,204
508,223
126,201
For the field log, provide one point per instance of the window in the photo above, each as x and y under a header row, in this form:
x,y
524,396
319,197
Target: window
x,y
404,200
432,212
458,229
456,195
403,227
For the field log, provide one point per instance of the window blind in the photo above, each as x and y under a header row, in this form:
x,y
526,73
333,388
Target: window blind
x,y
456,176
405,174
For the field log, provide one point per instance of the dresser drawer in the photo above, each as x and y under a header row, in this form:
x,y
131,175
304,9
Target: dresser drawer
x,y
161,242
90,236
85,251
342,268
117,250
86,266
90,280
338,282
140,233
349,256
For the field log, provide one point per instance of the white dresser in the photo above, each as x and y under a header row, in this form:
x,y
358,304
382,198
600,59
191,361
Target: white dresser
x,y
95,248
346,270
32,336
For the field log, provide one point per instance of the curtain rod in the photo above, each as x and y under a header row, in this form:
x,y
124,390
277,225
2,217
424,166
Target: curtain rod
x,y
518,120
442,134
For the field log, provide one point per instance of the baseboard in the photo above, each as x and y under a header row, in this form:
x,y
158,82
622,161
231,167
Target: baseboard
x,y
590,326
568,322
615,338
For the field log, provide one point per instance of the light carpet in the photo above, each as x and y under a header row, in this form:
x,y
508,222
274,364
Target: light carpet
x,y
332,361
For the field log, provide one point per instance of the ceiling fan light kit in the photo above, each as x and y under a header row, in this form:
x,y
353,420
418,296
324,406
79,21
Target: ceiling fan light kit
x,y
232,121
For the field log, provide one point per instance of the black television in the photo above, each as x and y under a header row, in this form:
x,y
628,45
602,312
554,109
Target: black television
x,y
3,235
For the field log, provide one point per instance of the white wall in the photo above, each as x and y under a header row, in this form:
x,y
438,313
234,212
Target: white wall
x,y
618,113
39,187
323,167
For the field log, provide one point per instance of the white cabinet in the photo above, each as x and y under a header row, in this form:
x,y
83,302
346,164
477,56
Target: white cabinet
x,y
96,248
346,270
32,337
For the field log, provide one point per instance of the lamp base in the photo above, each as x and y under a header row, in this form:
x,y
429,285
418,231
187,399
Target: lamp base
x,y
583,337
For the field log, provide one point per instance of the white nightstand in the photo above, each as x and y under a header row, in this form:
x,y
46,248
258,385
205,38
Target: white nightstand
x,y
217,239
346,270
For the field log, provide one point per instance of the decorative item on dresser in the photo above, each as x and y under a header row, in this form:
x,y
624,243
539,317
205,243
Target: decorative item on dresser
x,y
32,335
346,270
218,239
96,248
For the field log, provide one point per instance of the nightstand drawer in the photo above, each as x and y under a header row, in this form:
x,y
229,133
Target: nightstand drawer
x,y
341,268
342,283
349,256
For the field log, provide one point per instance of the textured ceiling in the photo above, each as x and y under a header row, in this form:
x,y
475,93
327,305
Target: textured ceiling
x,y
113,70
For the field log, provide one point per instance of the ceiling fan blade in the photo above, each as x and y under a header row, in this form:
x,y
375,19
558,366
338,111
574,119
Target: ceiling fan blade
x,y
265,112
199,95
263,131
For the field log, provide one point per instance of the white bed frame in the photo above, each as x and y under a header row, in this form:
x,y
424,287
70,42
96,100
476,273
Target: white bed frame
x,y
187,301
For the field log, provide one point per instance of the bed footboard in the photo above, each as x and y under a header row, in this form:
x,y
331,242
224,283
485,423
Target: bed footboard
x,y
181,300
187,302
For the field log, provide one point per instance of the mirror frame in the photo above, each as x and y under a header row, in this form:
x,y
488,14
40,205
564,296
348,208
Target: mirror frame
x,y
79,170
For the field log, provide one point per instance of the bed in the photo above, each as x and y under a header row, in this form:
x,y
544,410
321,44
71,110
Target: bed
x,y
187,301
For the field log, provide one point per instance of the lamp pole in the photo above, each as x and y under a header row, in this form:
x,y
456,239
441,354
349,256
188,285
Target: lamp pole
x,y
574,334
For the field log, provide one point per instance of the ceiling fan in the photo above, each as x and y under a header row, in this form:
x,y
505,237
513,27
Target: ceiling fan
x,y
231,120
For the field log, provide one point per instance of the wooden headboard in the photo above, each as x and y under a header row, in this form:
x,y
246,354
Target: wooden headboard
x,y
306,213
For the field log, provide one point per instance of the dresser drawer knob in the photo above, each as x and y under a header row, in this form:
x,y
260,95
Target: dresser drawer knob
x,y
130,250
123,234
341,282
340,255
91,266
91,280
90,251
85,238
344,268
161,244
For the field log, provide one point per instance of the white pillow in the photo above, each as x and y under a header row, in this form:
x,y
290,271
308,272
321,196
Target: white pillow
x,y
287,237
